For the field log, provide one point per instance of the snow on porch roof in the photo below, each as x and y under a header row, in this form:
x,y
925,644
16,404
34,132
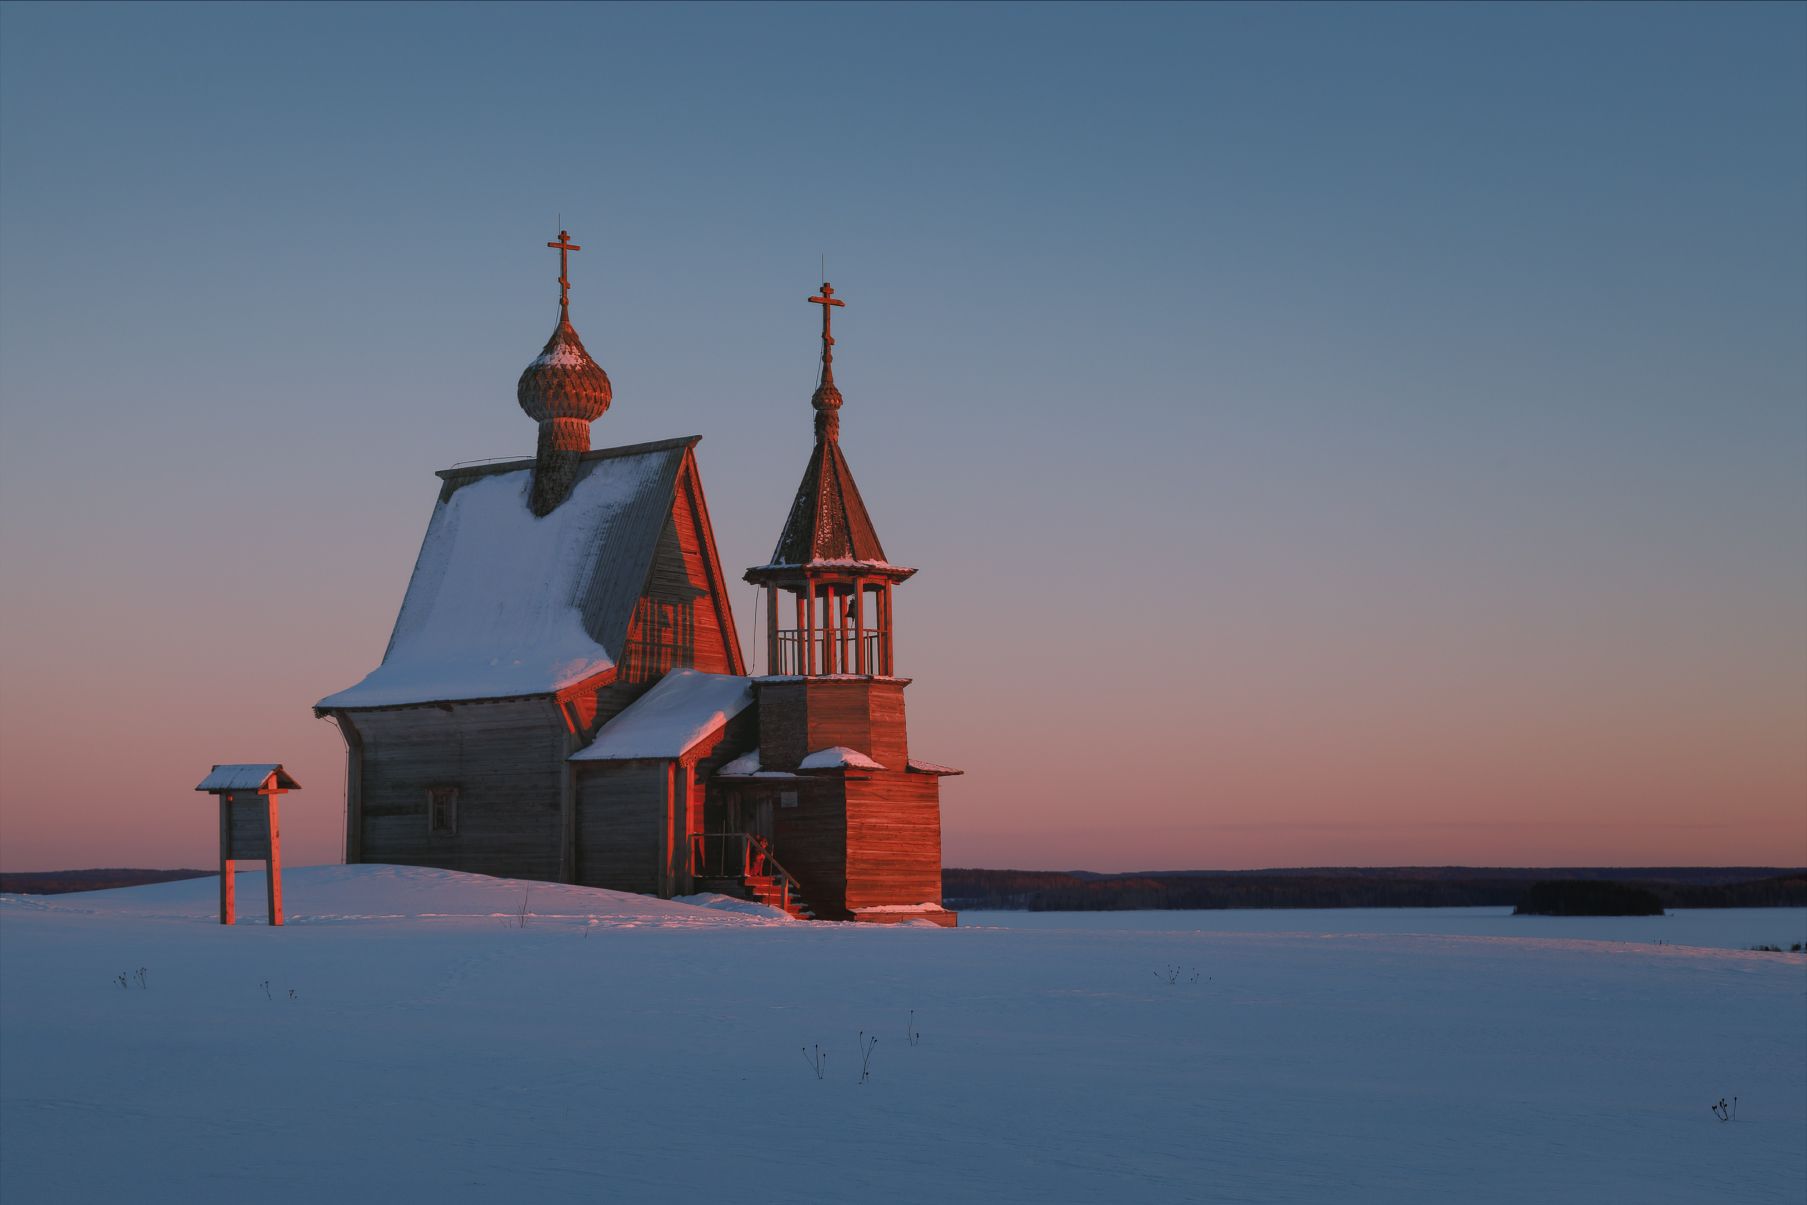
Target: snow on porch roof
x,y
503,603
247,776
839,757
665,722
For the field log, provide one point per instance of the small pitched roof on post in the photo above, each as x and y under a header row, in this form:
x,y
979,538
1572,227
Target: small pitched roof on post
x,y
248,776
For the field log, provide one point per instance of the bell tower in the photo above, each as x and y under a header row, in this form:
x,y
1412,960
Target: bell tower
x,y
850,815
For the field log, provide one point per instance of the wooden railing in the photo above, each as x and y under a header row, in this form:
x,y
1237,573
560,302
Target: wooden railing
x,y
794,645
740,856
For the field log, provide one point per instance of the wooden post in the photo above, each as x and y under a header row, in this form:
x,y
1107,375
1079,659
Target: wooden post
x,y
859,625
843,661
273,863
680,871
354,789
569,719
801,625
228,886
818,643
771,629
806,662
884,627
669,860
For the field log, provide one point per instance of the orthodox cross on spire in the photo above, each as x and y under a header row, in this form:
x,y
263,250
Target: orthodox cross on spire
x,y
827,299
827,399
565,247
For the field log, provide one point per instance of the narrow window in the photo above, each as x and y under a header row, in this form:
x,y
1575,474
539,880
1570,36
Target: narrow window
x,y
442,809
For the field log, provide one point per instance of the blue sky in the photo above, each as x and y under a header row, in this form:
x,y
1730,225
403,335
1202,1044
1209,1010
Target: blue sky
x,y
1400,409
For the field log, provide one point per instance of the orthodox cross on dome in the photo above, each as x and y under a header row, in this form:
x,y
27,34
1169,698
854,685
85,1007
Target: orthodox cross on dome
x,y
565,247
827,299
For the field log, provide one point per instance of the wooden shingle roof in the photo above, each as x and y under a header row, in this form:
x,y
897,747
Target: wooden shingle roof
x,y
828,527
247,776
828,519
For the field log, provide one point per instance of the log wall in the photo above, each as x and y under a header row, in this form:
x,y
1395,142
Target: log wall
x,y
622,808
505,758
798,716
893,839
810,840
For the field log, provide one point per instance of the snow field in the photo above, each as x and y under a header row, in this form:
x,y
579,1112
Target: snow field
x,y
619,1048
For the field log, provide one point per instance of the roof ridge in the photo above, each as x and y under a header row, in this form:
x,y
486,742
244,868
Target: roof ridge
x,y
526,462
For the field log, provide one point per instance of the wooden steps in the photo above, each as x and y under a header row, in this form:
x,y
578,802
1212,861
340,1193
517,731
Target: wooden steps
x,y
759,889
768,890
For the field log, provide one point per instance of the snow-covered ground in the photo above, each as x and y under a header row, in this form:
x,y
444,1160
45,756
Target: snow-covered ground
x,y
407,1038
1723,928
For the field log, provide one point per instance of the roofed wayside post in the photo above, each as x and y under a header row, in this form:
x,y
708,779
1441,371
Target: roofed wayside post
x,y
563,695
249,828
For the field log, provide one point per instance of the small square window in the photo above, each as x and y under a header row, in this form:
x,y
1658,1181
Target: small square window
x,y
787,799
442,809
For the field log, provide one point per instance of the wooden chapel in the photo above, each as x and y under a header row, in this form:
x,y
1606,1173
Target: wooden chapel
x,y
564,696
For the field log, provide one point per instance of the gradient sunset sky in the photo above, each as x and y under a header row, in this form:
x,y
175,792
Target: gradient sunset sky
x,y
1328,435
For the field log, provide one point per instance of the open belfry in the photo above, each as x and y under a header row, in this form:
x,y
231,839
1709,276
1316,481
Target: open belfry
x,y
564,695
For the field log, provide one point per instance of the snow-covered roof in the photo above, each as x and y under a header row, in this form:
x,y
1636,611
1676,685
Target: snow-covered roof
x,y
928,767
840,757
840,562
746,763
559,354
928,907
684,708
247,776
504,604
747,766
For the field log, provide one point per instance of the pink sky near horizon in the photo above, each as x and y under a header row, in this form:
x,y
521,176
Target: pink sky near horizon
x,y
1388,450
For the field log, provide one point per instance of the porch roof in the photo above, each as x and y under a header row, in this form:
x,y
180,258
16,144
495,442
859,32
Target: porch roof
x,y
666,722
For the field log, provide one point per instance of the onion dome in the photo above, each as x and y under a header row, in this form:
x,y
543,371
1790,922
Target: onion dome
x,y
563,382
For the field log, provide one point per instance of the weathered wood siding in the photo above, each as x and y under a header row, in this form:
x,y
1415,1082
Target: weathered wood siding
x,y
591,709
801,715
682,617
507,761
890,745
739,735
250,825
622,810
893,839
703,566
810,841
783,706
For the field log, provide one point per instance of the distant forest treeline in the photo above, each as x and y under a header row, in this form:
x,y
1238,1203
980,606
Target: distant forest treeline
x,y
1317,887
1356,887
56,882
